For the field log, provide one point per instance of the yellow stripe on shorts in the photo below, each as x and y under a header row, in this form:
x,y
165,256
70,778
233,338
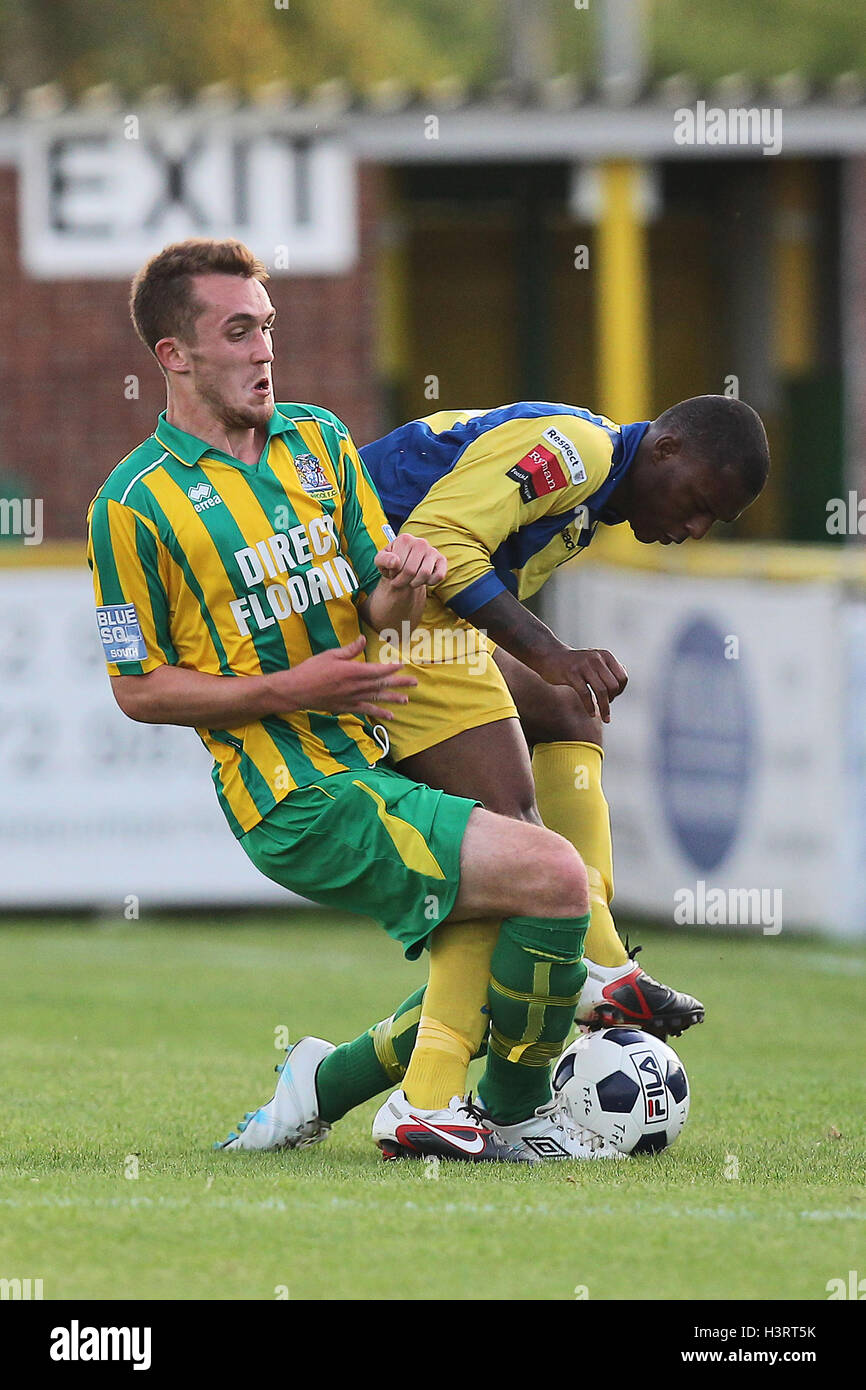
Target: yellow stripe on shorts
x,y
407,840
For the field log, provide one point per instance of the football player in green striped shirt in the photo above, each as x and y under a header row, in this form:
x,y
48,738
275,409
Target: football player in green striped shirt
x,y
235,553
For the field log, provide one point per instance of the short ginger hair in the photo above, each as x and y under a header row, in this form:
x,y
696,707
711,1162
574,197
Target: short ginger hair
x,y
161,300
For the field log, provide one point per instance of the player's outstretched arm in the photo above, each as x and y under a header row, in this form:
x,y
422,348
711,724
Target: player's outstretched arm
x,y
409,566
595,674
336,681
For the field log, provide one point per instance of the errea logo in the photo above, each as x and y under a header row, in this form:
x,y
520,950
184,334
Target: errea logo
x,y
203,496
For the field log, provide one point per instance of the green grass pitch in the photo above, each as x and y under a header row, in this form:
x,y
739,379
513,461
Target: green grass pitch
x,y
139,1044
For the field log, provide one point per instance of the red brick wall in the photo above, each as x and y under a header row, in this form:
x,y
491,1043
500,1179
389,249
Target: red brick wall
x,y
67,345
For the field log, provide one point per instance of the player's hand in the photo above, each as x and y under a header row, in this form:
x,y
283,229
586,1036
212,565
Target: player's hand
x,y
411,563
595,674
338,683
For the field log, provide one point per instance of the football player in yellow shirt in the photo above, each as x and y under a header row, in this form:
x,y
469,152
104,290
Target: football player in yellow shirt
x,y
509,495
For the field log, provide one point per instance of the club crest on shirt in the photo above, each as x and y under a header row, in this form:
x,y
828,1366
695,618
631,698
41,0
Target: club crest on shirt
x,y
313,477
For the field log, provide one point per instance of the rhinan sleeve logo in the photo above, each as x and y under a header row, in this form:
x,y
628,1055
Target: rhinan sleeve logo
x,y
538,473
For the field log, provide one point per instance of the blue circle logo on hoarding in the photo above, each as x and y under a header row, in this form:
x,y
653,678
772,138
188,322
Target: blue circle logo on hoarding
x,y
706,742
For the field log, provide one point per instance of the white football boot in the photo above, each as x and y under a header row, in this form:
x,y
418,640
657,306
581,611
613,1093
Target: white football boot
x,y
551,1133
460,1131
290,1120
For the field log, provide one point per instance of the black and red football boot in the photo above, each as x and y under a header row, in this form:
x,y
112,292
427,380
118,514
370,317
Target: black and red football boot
x,y
627,994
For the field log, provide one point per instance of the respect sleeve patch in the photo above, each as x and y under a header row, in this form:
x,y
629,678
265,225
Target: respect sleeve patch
x,y
570,456
543,469
120,633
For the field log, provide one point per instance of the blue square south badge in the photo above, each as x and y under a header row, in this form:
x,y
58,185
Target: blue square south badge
x,y
120,633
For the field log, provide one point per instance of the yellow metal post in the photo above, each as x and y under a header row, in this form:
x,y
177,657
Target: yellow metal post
x,y
795,271
794,321
622,311
393,346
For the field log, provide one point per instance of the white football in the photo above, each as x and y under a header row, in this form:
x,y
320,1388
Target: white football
x,y
626,1085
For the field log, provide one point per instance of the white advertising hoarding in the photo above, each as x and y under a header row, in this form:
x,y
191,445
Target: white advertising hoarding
x,y
736,759
730,766
96,809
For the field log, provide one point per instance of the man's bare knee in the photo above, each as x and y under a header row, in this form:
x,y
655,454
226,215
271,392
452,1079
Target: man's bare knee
x,y
510,869
563,885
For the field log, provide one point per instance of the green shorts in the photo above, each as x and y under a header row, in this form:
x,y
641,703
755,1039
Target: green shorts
x,y
369,841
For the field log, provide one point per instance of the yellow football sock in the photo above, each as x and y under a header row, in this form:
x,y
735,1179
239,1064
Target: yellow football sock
x,y
454,1020
571,802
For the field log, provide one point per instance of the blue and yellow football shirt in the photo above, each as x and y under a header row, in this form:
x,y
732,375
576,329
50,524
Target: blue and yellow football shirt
x,y
507,494
202,561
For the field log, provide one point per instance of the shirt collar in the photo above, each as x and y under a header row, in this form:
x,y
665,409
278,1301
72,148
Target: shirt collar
x,y
189,449
625,446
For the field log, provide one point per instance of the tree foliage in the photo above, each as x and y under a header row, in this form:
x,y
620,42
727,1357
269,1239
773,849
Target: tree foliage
x,y
189,43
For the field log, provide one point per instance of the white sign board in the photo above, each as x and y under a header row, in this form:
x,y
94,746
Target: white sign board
x,y
101,195
854,734
727,767
95,809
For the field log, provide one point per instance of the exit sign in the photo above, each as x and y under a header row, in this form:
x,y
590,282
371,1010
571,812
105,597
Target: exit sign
x,y
101,195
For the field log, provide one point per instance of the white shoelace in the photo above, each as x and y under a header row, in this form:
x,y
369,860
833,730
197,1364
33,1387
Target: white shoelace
x,y
562,1120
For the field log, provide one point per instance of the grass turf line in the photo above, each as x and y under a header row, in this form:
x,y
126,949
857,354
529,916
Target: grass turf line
x,y
149,1041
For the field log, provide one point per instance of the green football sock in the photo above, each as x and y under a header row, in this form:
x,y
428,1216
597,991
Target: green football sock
x,y
538,962
359,1070
536,977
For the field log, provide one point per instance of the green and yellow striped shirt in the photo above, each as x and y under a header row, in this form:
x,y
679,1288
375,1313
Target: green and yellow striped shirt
x,y
202,561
